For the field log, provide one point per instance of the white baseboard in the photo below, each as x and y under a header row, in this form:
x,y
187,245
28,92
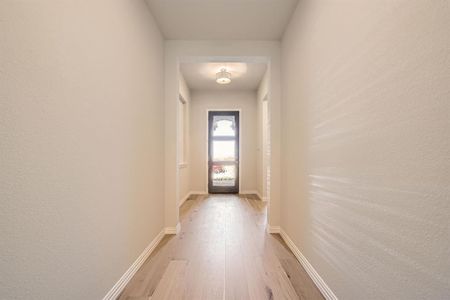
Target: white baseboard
x,y
190,194
273,229
318,281
123,281
184,199
173,230
199,193
250,192
259,196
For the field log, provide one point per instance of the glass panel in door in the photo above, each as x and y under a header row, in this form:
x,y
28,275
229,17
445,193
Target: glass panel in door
x,y
223,152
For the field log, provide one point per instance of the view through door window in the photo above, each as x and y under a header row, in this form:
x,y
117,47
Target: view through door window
x,y
223,152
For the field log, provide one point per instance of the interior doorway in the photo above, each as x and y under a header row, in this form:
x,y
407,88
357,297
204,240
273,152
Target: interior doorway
x,y
223,152
250,93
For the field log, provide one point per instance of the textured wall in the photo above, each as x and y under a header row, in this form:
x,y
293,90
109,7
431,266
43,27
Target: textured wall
x,y
201,102
81,133
366,145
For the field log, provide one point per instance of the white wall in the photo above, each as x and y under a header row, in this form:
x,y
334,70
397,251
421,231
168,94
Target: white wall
x,y
183,122
366,147
209,51
81,141
220,100
262,139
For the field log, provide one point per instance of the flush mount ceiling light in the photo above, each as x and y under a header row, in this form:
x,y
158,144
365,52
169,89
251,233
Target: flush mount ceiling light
x,y
223,77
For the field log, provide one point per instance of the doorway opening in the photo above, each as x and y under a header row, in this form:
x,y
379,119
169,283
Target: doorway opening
x,y
224,129
223,152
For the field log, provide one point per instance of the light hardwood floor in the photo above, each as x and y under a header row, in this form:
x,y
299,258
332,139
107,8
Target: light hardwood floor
x,y
222,252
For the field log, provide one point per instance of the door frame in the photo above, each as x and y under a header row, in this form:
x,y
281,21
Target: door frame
x,y
181,52
207,144
265,147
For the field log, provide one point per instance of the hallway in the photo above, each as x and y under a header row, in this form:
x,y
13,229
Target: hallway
x,y
126,125
222,252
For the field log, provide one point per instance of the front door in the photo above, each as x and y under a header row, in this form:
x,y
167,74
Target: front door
x,y
223,152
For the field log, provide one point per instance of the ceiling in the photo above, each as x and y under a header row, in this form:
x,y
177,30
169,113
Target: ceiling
x,y
222,19
202,76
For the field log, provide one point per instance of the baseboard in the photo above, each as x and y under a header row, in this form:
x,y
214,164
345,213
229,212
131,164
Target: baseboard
x,y
184,199
190,194
173,230
259,196
253,193
123,281
249,192
198,193
273,229
318,281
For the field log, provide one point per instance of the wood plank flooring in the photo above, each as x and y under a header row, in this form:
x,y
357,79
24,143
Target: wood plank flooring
x,y
222,252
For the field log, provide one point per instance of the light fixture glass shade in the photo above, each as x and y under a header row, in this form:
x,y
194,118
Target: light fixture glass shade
x,y
223,77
